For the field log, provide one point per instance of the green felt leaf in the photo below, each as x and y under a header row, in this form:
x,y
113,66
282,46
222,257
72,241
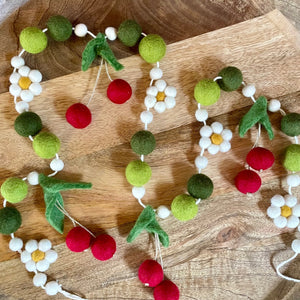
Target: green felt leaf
x,y
265,121
90,53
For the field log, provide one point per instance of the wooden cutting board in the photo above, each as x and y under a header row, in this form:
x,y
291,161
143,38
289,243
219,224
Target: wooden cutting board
x,y
227,251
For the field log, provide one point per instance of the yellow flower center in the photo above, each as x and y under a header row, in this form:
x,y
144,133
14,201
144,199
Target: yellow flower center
x,y
160,96
216,139
286,211
24,83
37,255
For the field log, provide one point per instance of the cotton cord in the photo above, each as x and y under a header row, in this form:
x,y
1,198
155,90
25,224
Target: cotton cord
x,y
107,73
69,295
158,250
258,136
284,263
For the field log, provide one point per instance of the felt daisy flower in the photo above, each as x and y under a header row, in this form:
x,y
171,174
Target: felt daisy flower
x,y
284,211
214,138
38,256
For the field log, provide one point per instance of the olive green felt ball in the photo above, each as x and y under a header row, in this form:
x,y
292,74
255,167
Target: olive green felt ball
x,y
200,186
10,220
152,48
46,144
231,80
143,142
129,32
290,124
59,28
14,189
138,173
207,92
184,207
28,123
291,159
33,40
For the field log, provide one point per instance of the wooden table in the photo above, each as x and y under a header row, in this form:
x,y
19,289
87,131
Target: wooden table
x,y
229,249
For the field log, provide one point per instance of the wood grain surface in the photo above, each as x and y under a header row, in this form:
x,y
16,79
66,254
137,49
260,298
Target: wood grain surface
x,y
228,250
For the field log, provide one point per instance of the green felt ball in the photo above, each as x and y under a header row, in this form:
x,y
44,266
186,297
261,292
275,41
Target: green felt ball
x,y
290,124
33,40
138,173
28,123
152,48
10,220
59,28
207,92
46,144
184,207
129,32
200,186
291,159
232,78
14,189
143,142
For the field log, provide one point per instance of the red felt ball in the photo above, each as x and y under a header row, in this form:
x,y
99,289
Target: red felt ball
x,y
119,91
78,239
79,115
103,247
260,158
151,273
247,181
167,290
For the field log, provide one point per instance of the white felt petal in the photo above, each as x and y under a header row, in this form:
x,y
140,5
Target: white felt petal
x,y
280,222
204,142
42,265
161,85
45,245
225,146
273,211
25,257
30,266
152,91
296,210
217,127
213,149
31,246
292,222
226,135
51,256
277,200
206,131
290,200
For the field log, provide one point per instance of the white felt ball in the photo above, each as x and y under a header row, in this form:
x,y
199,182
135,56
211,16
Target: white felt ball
x,y
51,256
31,246
226,135
296,246
292,222
26,95
296,210
21,106
149,101
206,131
17,62
14,77
25,257
80,30
293,180
280,222
277,200
225,146
24,71
163,211
213,149
111,33
201,115
35,76
15,244
57,165
33,178
30,266
138,192
160,107
146,117
201,162
274,105
42,265
156,73
152,91
39,279
249,90
52,288
170,102
161,85
204,142
217,127
44,245
273,212
290,200
35,88
171,91
15,90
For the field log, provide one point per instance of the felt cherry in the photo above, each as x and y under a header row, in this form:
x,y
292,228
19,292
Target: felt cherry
x,y
78,239
247,181
79,115
167,290
119,91
151,273
260,158
103,247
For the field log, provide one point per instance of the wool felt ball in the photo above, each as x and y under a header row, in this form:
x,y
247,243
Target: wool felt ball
x,y
184,207
200,186
46,144
78,239
151,273
290,124
167,290
247,181
103,247
28,123
207,92
119,91
10,220
260,158
78,115
33,40
143,142
152,48
129,32
138,173
231,80
291,159
14,189
59,28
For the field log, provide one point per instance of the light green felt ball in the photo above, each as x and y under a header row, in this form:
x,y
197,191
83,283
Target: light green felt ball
x,y
33,40
200,186
152,48
129,32
59,28
143,142
184,207
291,159
231,80
207,92
46,144
14,189
290,124
138,173
28,123
10,220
